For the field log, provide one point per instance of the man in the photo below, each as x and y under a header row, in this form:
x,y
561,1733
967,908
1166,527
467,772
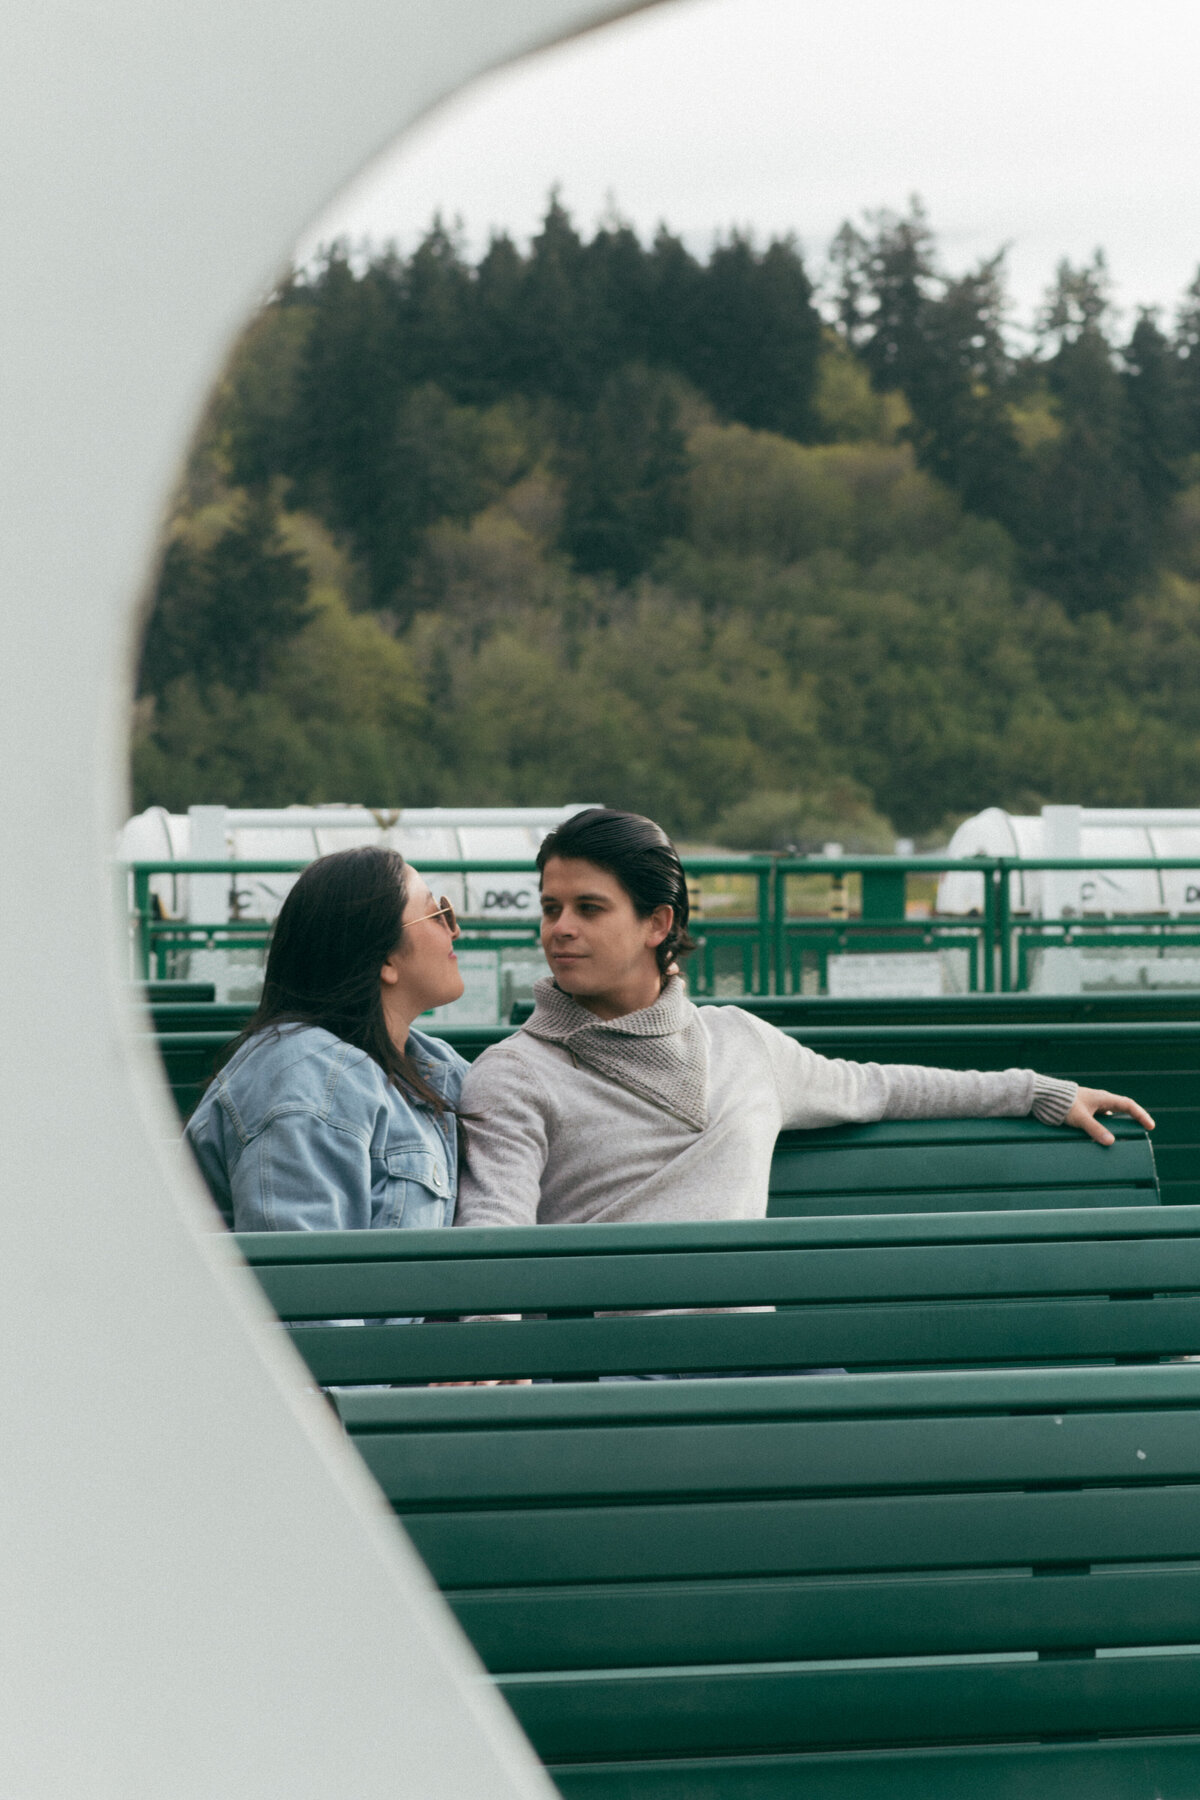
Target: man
x,y
620,1100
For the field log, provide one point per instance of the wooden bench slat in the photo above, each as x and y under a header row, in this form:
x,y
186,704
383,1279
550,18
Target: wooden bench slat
x,y
782,1457
972,1393
953,1200
731,1710
815,1169
735,1278
269,1249
719,1539
1142,1768
643,1624
946,1332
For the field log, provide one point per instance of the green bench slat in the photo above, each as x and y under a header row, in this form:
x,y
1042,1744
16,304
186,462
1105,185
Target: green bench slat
x,y
726,1711
970,1333
827,1164
727,1457
954,1200
956,1289
876,1396
680,1623
595,1243
1138,1769
741,1277
714,1540
968,1009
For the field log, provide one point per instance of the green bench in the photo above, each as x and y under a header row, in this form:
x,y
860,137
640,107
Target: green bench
x,y
169,993
1159,1063
1148,1004
899,1585
860,1587
958,1165
941,1575
904,1290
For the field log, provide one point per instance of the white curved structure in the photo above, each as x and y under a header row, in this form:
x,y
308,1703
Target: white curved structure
x,y
300,833
202,1592
1073,832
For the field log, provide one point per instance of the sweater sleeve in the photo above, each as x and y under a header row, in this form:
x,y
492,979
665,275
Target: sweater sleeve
x,y
821,1090
504,1110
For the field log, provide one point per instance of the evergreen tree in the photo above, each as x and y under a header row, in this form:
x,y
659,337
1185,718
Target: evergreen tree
x,y
1088,538
433,323
626,473
898,274
1187,350
348,392
1154,412
756,336
959,388
223,612
557,329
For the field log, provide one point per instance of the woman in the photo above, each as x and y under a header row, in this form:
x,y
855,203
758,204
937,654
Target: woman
x,y
620,1100
332,1112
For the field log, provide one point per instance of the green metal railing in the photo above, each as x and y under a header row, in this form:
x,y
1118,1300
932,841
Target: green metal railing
x,y
765,924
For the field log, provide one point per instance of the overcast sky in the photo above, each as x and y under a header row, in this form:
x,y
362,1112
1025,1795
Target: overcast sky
x,y
1051,125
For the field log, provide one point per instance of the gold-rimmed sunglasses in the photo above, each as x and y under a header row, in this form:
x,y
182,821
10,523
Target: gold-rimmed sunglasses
x,y
443,910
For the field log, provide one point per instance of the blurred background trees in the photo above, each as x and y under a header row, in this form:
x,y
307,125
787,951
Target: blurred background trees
x,y
603,519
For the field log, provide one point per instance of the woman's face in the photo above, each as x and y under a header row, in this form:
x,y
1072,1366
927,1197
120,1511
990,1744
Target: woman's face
x,y
423,970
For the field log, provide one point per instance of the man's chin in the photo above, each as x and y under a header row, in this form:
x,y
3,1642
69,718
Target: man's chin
x,y
573,981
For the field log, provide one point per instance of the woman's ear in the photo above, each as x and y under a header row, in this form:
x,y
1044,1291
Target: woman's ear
x,y
390,972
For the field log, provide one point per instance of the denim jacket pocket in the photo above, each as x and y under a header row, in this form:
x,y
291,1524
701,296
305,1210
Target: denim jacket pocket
x,y
418,1193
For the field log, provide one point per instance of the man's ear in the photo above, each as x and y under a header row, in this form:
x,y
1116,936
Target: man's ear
x,y
658,925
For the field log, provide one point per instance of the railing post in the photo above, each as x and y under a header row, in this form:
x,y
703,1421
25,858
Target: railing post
x,y
141,908
883,894
1004,924
779,907
766,971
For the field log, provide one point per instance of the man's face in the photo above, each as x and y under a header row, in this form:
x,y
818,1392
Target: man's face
x,y
594,941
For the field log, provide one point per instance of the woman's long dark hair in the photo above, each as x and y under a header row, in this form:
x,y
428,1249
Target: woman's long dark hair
x,y
643,859
335,930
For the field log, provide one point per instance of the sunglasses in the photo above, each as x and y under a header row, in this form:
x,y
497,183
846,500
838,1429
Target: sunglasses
x,y
444,911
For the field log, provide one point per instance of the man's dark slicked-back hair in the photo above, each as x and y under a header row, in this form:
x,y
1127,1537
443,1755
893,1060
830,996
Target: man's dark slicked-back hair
x,y
642,858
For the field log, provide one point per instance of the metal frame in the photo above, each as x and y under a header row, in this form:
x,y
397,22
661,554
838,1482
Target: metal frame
x,y
769,944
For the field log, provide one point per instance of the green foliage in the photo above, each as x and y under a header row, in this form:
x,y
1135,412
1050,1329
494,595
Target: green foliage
x,y
804,821
601,520
225,608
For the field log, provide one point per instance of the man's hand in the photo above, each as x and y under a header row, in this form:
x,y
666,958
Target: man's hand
x,y
1091,1101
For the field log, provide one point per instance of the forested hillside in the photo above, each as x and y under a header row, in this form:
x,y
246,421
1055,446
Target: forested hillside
x,y
605,520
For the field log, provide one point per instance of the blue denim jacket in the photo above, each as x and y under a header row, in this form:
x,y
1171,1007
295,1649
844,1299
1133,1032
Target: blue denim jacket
x,y
302,1132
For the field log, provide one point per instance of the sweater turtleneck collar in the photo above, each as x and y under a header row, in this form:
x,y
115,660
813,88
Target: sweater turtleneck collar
x,y
660,1052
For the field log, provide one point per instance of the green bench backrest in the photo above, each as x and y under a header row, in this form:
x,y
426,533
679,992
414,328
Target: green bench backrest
x,y
974,1009
828,1588
168,993
950,1165
936,1290
1159,1064
955,1165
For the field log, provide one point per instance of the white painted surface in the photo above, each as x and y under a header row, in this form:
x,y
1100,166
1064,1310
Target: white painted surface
x,y
202,1594
1070,831
886,975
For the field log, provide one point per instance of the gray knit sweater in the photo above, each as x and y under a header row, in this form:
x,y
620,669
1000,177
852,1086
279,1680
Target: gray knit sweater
x,y
672,1112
